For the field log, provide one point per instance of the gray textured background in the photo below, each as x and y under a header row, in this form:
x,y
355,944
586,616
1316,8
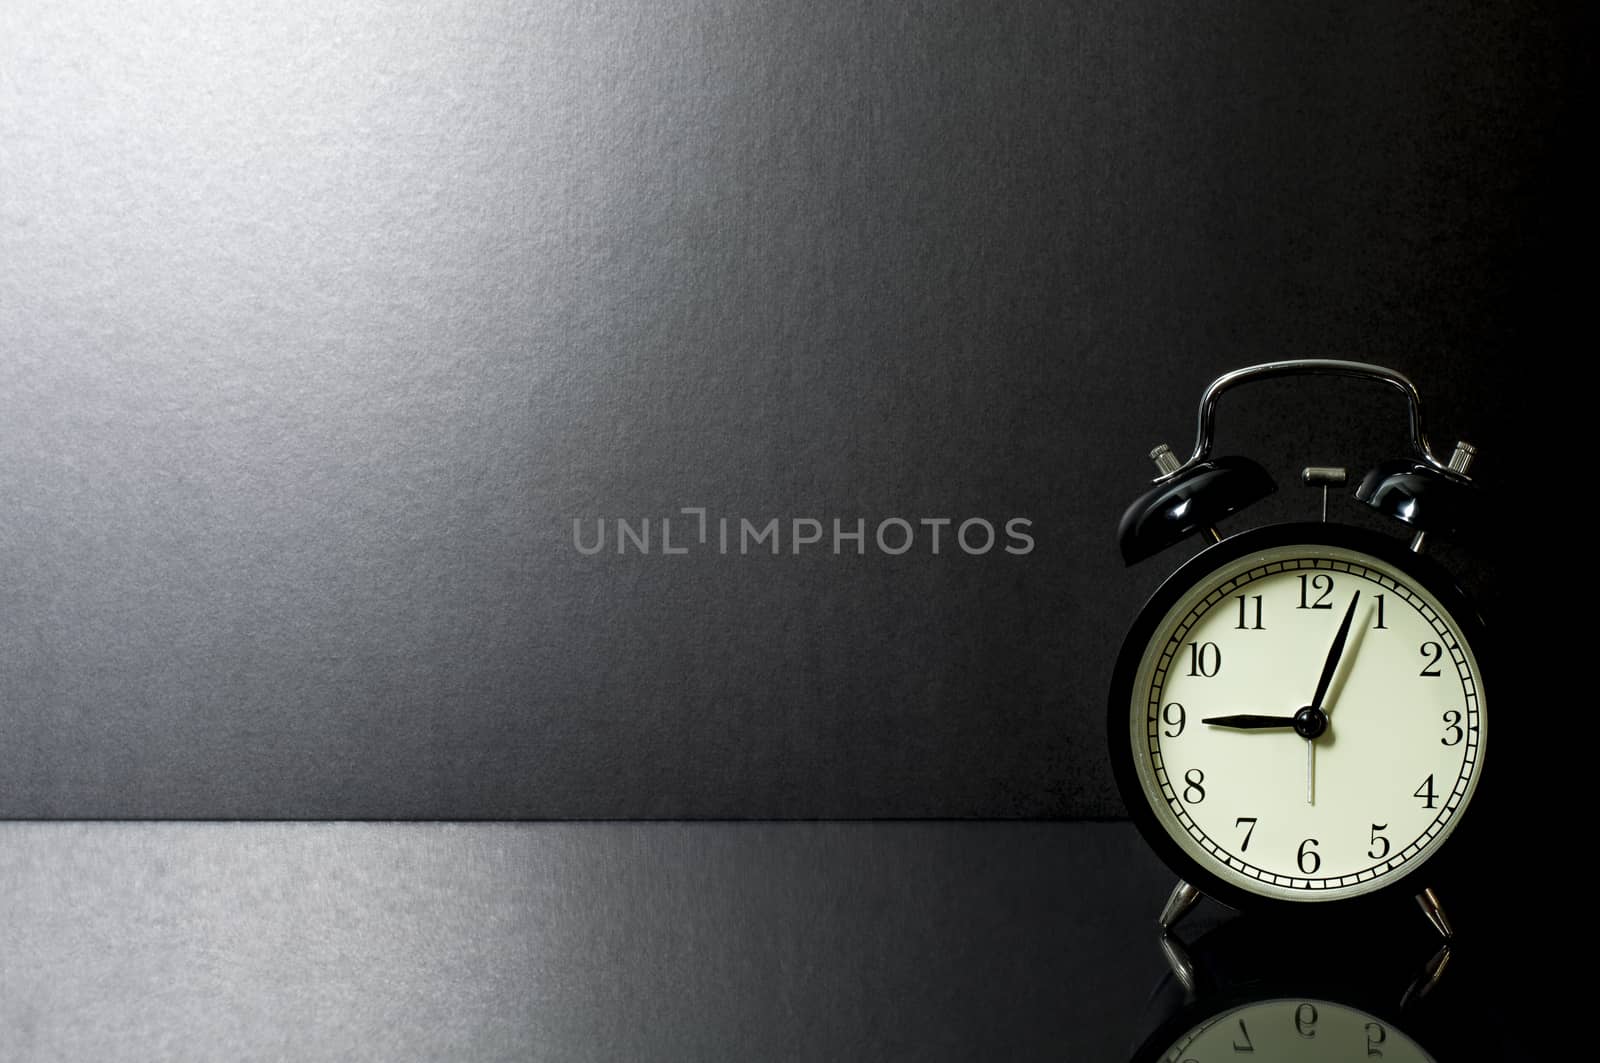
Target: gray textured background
x,y
675,941
575,941
321,322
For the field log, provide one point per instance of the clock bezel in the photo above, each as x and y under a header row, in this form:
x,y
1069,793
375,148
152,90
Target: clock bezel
x,y
1423,571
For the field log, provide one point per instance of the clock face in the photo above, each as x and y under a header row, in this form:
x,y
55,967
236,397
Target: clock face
x,y
1305,720
1294,1029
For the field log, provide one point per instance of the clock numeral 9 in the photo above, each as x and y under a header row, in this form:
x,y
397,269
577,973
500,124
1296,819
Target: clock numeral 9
x,y
1193,792
1308,856
1433,651
1204,659
1452,722
1305,1020
1378,839
1320,582
1177,725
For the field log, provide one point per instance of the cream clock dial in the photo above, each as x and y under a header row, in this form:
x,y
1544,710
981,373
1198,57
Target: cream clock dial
x,y
1302,713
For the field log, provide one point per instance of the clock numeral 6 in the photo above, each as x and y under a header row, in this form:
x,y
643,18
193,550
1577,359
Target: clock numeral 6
x,y
1310,863
1193,792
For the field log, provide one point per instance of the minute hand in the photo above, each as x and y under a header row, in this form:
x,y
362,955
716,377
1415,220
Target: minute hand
x,y
1332,664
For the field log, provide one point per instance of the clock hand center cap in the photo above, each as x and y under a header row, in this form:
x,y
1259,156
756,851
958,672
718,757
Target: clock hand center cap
x,y
1310,722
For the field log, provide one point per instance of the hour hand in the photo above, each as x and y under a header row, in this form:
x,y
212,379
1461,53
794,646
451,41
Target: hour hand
x,y
1250,723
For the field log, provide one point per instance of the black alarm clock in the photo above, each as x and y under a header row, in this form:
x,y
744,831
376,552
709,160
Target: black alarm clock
x,y
1298,716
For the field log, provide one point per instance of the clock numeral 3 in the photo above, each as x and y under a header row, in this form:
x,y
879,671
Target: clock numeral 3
x,y
1452,722
1193,792
1310,863
1320,582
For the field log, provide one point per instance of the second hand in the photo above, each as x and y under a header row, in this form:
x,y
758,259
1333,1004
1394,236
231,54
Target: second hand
x,y
1324,681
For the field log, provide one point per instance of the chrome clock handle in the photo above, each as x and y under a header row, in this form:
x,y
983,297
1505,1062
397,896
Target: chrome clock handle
x,y
1307,367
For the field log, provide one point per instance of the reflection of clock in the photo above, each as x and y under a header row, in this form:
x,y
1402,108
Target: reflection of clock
x,y
1299,713
1294,1029
1376,987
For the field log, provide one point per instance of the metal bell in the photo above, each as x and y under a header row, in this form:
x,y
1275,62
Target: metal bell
x,y
1174,509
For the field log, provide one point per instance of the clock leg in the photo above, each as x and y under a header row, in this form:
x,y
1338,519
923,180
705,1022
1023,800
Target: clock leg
x,y
1428,901
1183,897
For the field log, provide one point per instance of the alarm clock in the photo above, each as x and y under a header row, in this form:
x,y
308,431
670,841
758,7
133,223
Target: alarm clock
x,y
1298,716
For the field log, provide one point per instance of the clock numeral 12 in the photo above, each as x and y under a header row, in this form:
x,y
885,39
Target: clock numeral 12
x,y
1320,582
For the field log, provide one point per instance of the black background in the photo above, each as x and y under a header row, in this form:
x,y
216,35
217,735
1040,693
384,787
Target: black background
x,y
321,326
